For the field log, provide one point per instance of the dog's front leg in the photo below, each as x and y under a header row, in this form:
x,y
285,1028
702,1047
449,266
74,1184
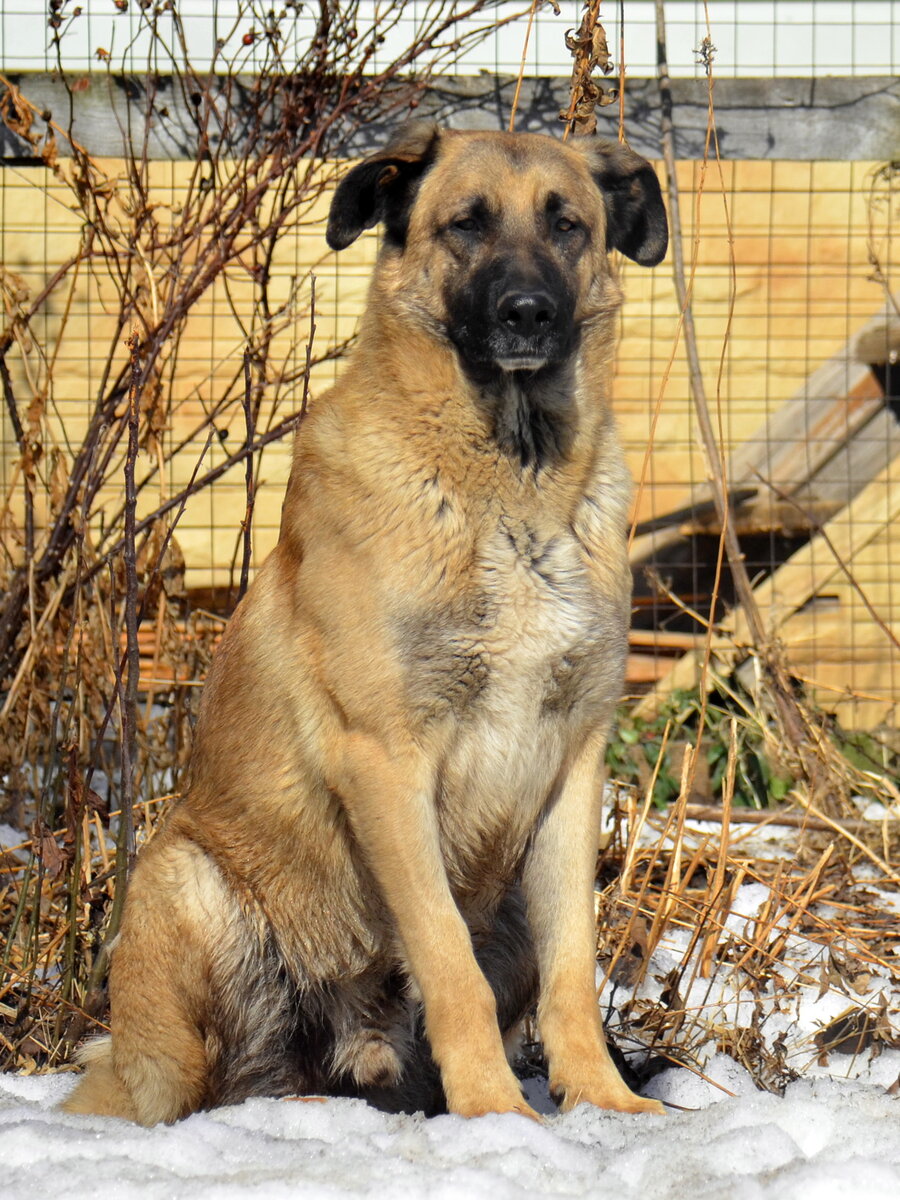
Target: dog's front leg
x,y
558,882
389,796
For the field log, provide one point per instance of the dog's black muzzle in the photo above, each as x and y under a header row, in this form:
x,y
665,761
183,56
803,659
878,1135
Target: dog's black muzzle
x,y
512,319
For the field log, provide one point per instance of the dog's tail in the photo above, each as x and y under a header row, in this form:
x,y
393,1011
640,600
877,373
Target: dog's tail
x,y
100,1091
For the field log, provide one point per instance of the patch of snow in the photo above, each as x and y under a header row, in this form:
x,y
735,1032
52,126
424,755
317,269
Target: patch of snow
x,y
831,1140
10,837
722,1077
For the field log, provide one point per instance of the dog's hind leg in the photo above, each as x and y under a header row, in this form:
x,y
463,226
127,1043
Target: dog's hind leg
x,y
155,1067
506,956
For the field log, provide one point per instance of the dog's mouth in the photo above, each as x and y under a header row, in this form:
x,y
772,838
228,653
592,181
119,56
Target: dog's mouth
x,y
521,362
506,352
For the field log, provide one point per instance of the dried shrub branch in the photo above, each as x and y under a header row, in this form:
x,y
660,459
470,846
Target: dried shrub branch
x,y
590,53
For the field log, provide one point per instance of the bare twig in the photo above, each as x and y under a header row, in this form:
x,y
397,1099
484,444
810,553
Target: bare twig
x,y
247,523
128,689
304,400
522,64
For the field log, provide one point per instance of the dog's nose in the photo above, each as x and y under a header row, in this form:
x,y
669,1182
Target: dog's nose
x,y
526,313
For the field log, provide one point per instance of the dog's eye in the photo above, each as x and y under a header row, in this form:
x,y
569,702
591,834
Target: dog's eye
x,y
465,225
564,225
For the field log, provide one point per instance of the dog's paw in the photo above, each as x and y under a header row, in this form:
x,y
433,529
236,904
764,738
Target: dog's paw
x,y
479,1101
527,1111
483,1108
617,1098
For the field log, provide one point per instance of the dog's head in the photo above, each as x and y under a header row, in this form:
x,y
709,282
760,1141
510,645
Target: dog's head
x,y
499,242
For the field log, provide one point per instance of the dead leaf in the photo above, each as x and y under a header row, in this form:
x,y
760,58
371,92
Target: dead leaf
x,y
96,803
17,115
849,1033
48,850
59,478
633,960
600,50
862,983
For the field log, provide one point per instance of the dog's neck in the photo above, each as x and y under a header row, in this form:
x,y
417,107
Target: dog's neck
x,y
534,417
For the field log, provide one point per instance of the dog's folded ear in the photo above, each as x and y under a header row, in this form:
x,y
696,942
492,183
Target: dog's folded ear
x,y
635,214
382,187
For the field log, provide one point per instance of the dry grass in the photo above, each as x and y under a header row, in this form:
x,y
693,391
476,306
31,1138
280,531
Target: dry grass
x,y
666,878
671,880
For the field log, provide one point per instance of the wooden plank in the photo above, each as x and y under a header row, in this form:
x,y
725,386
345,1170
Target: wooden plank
x,y
815,568
799,440
665,639
820,640
840,398
803,119
816,565
862,458
641,669
880,343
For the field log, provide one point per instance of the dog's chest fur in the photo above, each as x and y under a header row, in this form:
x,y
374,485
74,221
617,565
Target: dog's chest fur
x,y
508,672
526,631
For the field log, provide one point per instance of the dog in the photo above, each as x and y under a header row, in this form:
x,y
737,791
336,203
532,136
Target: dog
x,y
386,849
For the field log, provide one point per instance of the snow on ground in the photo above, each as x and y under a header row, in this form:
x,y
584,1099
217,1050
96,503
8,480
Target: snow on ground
x,y
824,1139
808,999
816,997
833,1135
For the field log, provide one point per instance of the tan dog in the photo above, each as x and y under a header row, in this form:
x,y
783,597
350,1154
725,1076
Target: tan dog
x,y
390,832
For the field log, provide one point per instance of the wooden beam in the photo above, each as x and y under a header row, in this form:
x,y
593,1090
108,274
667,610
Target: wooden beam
x,y
807,435
858,460
814,567
818,564
831,118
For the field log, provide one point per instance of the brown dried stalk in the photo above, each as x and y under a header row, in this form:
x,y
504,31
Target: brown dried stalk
x,y
127,689
247,523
